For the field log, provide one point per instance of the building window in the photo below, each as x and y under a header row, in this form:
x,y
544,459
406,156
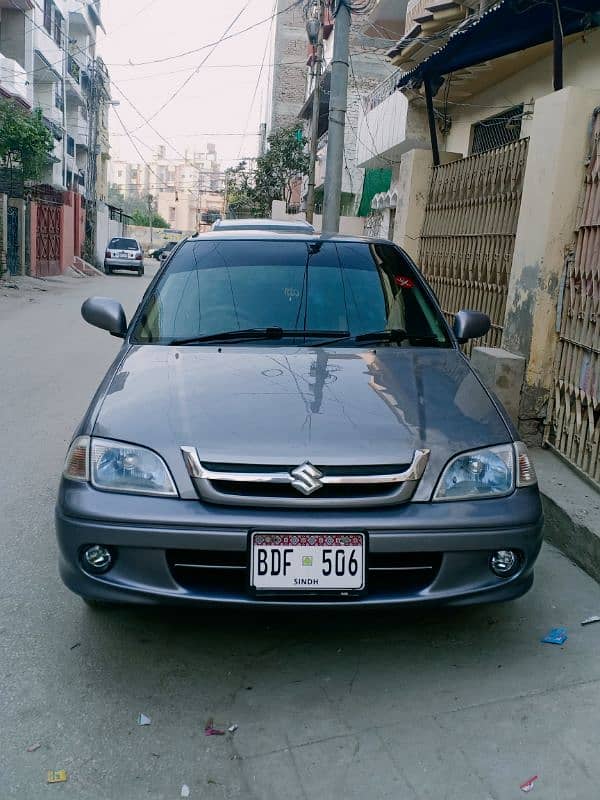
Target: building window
x,y
58,21
48,15
497,131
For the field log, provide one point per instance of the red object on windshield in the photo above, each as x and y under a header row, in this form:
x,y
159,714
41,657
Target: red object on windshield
x,y
404,282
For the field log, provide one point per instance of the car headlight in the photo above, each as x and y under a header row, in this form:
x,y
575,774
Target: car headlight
x,y
489,472
118,467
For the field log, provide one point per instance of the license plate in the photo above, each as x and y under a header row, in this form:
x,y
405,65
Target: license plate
x,y
307,561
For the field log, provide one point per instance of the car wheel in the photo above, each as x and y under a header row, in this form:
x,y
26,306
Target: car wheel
x,y
108,270
140,271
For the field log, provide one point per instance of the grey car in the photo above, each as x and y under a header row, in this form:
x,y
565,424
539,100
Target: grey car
x,y
263,225
291,422
124,253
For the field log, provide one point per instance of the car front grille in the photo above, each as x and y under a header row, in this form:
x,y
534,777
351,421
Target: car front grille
x,y
305,485
224,573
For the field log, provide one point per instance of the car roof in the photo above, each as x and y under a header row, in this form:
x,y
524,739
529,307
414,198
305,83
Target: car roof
x,y
263,225
280,236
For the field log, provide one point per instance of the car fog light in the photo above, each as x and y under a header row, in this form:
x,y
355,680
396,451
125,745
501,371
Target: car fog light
x,y
97,558
504,563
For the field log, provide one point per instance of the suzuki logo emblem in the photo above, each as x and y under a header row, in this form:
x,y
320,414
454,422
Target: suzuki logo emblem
x,y
306,478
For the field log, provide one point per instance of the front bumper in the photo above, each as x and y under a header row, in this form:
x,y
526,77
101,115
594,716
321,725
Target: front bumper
x,y
455,538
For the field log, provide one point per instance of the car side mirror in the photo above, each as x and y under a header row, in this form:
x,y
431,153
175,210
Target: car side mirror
x,y
106,314
470,325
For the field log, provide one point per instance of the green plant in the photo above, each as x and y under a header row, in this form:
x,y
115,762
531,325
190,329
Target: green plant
x,y
140,217
274,177
25,142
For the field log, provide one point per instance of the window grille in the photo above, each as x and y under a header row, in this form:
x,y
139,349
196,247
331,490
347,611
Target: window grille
x,y
497,131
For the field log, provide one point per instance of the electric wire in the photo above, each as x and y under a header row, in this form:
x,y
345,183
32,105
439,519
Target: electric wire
x,y
197,69
210,44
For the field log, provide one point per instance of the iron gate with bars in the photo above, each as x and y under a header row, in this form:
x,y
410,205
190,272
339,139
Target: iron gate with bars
x,y
48,236
13,249
469,230
573,421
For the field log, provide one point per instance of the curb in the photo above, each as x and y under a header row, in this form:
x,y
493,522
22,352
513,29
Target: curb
x,y
571,511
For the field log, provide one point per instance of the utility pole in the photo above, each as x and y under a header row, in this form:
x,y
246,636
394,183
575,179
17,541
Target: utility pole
x,y
150,200
262,139
338,101
311,27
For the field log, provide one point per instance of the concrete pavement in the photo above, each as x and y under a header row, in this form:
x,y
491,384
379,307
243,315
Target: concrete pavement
x,y
463,705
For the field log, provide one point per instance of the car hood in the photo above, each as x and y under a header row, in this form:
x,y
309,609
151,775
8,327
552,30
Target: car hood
x,y
277,405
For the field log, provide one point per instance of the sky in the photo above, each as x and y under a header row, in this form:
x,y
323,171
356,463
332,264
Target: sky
x,y
221,101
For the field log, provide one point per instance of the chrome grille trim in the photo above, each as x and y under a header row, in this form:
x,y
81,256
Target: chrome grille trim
x,y
397,487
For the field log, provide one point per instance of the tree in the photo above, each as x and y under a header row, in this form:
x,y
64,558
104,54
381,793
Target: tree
x,y
282,166
239,191
136,207
276,173
25,142
141,217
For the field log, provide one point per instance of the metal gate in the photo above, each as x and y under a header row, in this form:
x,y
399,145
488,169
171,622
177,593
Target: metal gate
x,y
13,249
573,422
48,235
469,231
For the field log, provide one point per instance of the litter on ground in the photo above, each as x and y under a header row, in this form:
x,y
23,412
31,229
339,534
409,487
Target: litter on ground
x,y
185,790
33,747
233,728
210,730
528,785
57,776
589,620
144,720
555,636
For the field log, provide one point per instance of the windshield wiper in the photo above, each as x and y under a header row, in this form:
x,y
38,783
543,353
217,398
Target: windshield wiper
x,y
392,335
250,334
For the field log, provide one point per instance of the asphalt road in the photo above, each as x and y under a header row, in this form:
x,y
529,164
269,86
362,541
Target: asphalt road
x,y
461,705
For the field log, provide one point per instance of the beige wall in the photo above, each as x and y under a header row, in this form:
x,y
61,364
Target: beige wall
x,y
581,69
351,226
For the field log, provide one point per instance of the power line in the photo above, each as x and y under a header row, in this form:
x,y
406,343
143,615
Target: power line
x,y
196,69
262,66
211,66
210,44
139,152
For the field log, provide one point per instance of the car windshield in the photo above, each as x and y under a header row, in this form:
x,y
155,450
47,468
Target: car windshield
x,y
123,244
217,286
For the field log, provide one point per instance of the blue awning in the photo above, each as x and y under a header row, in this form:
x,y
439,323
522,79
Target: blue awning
x,y
506,28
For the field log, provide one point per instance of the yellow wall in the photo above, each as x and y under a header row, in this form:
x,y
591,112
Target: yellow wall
x,y
581,69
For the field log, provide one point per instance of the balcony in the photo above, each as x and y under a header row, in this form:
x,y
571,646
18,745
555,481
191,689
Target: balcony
x,y
388,129
73,83
18,5
86,17
13,80
385,24
48,58
77,127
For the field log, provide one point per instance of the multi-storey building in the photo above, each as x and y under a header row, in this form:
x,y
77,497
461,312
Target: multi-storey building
x,y
293,87
183,190
48,61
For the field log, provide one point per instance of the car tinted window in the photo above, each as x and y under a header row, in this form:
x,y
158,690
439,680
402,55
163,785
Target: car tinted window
x,y
213,286
123,244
